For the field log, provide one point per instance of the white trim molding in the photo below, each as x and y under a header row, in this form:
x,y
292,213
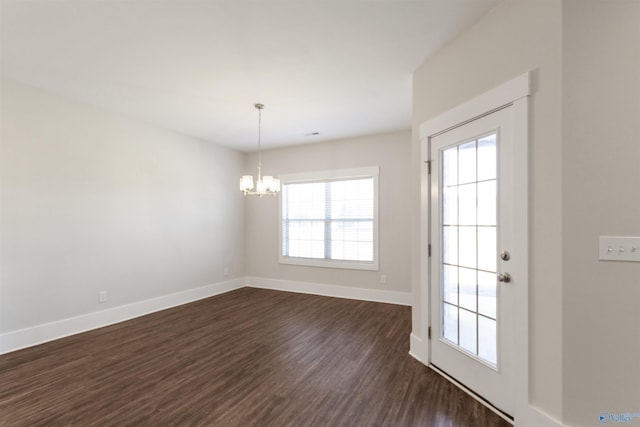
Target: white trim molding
x,y
39,334
498,97
536,418
417,349
327,290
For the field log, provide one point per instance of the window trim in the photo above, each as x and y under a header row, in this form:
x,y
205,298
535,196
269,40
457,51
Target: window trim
x,y
334,175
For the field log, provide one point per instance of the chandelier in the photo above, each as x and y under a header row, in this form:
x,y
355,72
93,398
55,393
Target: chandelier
x,y
265,185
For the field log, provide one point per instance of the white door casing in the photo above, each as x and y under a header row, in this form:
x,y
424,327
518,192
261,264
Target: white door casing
x,y
512,95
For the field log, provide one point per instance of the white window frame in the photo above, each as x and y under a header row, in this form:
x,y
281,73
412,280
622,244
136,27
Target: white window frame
x,y
325,176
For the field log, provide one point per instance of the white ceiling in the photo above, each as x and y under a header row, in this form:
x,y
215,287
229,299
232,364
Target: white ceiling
x,y
338,67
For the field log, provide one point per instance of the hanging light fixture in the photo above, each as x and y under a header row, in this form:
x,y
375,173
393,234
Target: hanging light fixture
x,y
266,185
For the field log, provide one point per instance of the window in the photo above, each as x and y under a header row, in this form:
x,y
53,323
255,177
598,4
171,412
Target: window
x,y
330,219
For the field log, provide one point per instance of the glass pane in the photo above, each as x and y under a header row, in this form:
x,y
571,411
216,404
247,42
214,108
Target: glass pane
x,y
450,284
365,188
306,239
317,249
487,158
304,248
487,203
467,288
365,251
467,204
450,322
487,294
352,240
467,247
350,250
450,206
450,166
450,245
300,229
487,248
467,162
468,332
337,231
349,230
317,231
365,231
305,201
487,348
337,250
344,250
351,199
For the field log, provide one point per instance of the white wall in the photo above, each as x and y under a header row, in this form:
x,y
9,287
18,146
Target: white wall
x,y
601,196
93,201
513,38
392,152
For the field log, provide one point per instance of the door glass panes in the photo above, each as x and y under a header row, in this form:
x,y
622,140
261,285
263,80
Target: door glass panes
x,y
450,322
469,238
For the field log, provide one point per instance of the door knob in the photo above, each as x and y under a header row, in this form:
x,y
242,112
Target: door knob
x,y
504,277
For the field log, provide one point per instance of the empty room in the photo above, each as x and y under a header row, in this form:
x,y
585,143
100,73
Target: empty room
x,y
319,213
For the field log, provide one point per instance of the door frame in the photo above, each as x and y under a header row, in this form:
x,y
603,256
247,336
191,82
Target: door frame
x,y
513,93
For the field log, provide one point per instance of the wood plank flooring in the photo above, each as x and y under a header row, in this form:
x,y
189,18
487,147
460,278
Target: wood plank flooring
x,y
250,357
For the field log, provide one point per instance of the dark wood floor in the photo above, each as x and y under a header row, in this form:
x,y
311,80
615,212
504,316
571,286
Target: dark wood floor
x,y
250,357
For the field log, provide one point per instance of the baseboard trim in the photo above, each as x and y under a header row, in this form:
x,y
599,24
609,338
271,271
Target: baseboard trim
x,y
16,340
364,294
417,349
537,418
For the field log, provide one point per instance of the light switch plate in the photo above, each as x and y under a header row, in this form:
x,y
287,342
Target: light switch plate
x,y
619,248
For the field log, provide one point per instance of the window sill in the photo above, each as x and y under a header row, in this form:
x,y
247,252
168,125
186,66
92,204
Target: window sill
x,y
314,262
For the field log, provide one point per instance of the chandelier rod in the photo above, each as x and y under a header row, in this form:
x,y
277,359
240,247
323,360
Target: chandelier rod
x,y
259,107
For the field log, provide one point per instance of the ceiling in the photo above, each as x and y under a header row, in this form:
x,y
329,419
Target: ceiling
x,y
339,68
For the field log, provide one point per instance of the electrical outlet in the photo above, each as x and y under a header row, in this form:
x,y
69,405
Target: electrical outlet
x,y
226,271
383,278
102,296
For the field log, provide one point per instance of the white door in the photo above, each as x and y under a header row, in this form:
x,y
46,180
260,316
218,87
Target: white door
x,y
472,280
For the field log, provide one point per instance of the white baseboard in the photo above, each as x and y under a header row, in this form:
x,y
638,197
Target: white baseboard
x,y
365,294
417,349
15,340
537,418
